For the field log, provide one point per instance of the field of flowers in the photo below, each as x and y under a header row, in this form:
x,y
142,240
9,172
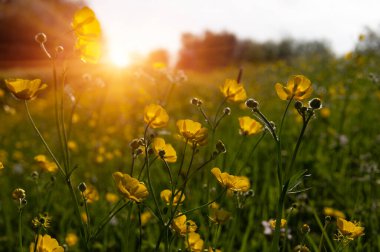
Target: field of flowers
x,y
269,157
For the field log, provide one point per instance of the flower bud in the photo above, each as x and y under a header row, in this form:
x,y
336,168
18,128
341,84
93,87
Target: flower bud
x,y
298,105
305,229
59,49
227,111
82,187
251,103
18,194
315,103
196,102
220,147
134,144
40,38
161,153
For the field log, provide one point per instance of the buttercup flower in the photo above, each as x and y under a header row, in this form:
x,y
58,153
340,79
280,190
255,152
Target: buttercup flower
x,y
298,86
273,223
71,239
194,242
166,196
45,164
156,116
159,144
192,131
233,91
349,229
46,244
249,126
231,182
145,217
130,188
87,30
25,89
112,198
91,194
328,211
182,226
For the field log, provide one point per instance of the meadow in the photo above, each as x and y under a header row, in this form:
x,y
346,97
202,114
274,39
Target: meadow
x,y
281,156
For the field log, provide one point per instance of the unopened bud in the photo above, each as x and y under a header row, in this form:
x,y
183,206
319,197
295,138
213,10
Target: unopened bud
x,y
40,38
196,102
82,187
134,144
315,103
298,105
220,147
59,49
305,229
161,153
150,151
18,194
251,103
227,111
139,152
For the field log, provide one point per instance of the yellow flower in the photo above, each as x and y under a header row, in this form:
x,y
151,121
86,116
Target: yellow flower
x,y
231,182
166,196
1,93
349,229
46,244
272,223
90,50
160,145
182,226
155,116
83,215
71,239
112,198
298,86
325,112
45,164
233,91
249,126
25,89
192,131
219,216
210,249
87,30
145,217
91,194
328,211
72,145
1,166
130,187
194,242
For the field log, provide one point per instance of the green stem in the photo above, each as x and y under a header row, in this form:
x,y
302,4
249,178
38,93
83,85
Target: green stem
x,y
20,227
43,139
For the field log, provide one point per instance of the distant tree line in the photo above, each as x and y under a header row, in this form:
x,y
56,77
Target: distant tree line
x,y
212,50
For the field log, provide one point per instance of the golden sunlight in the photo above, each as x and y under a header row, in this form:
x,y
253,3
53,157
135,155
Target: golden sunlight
x,y
118,55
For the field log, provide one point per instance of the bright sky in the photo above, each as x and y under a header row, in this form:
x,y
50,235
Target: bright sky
x,y
139,26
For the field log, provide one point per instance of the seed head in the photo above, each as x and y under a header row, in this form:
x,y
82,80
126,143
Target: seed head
x,y
40,38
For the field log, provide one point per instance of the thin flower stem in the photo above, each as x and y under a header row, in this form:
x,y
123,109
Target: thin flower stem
x,y
181,165
283,116
140,228
43,140
217,113
20,227
205,116
65,139
148,175
88,222
57,119
170,175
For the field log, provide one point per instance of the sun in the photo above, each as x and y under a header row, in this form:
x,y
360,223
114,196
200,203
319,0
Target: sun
x,y
118,56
